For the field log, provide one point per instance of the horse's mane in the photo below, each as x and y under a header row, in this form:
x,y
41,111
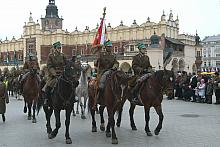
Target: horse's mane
x,y
159,74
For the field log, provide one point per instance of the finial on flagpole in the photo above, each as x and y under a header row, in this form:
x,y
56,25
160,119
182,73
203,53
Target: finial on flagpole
x,y
104,13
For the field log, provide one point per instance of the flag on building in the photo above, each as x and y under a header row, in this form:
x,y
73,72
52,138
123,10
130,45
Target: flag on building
x,y
7,57
100,37
15,57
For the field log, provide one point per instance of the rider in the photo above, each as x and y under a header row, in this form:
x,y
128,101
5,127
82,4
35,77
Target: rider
x,y
142,70
105,63
55,65
30,64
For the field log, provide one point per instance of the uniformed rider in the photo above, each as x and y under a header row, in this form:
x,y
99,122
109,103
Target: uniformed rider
x,y
142,70
55,65
105,63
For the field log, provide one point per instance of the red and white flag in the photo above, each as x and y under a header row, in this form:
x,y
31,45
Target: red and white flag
x,y
101,34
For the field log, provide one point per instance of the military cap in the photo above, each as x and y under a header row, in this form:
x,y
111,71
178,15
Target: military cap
x,y
57,44
108,43
141,46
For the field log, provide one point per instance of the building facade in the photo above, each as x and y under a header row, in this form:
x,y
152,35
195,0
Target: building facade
x,y
38,39
211,53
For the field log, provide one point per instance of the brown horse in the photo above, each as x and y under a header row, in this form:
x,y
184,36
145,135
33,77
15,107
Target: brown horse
x,y
114,93
31,89
151,95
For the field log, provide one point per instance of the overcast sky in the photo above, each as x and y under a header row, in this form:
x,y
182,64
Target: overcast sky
x,y
200,15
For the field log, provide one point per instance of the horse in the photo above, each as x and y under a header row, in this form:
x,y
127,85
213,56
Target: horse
x,y
16,87
31,89
62,98
114,94
151,94
82,90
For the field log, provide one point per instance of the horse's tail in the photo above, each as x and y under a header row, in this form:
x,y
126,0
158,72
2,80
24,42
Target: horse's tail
x,y
40,102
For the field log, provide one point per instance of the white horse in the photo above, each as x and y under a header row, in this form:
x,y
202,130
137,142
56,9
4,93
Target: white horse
x,y
82,89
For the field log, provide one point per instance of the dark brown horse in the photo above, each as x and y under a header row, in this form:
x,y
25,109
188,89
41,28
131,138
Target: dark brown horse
x,y
31,89
62,98
114,93
151,95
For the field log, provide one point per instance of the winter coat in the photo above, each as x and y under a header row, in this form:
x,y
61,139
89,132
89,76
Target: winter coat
x,y
3,98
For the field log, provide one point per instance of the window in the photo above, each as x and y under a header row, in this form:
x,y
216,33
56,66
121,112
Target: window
x,y
131,48
204,63
217,55
198,54
209,63
217,63
115,49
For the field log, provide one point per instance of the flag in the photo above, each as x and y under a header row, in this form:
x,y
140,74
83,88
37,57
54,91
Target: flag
x,y
167,56
15,57
7,57
100,37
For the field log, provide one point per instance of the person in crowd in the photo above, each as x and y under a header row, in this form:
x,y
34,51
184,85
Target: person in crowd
x,y
193,85
4,99
201,89
216,82
209,91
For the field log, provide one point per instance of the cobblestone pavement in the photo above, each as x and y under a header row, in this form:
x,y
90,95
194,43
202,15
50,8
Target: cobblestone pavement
x,y
186,124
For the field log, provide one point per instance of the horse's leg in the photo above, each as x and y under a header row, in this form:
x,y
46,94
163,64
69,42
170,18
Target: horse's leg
x,y
82,109
3,117
120,115
53,134
94,128
48,113
25,106
77,106
111,123
131,113
101,110
147,118
67,124
74,114
29,110
34,108
160,113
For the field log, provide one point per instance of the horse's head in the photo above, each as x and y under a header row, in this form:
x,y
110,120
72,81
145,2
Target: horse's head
x,y
70,73
166,79
85,67
120,80
33,71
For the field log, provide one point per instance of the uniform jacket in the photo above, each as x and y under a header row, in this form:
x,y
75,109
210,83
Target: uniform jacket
x,y
55,64
140,63
106,60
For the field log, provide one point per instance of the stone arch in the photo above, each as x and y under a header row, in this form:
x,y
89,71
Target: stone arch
x,y
181,64
175,64
125,66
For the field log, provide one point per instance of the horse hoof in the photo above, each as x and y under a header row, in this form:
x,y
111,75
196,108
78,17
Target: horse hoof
x,y
77,112
34,121
68,141
51,136
108,134
94,129
29,117
25,110
115,141
49,130
102,127
149,134
118,124
83,117
156,132
74,114
134,128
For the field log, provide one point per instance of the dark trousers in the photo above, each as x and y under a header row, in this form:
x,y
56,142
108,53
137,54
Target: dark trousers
x,y
217,94
208,99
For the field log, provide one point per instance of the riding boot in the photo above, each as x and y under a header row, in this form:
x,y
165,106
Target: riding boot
x,y
47,95
135,100
99,95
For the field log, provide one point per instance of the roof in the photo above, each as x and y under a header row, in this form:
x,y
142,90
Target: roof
x,y
212,38
175,41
